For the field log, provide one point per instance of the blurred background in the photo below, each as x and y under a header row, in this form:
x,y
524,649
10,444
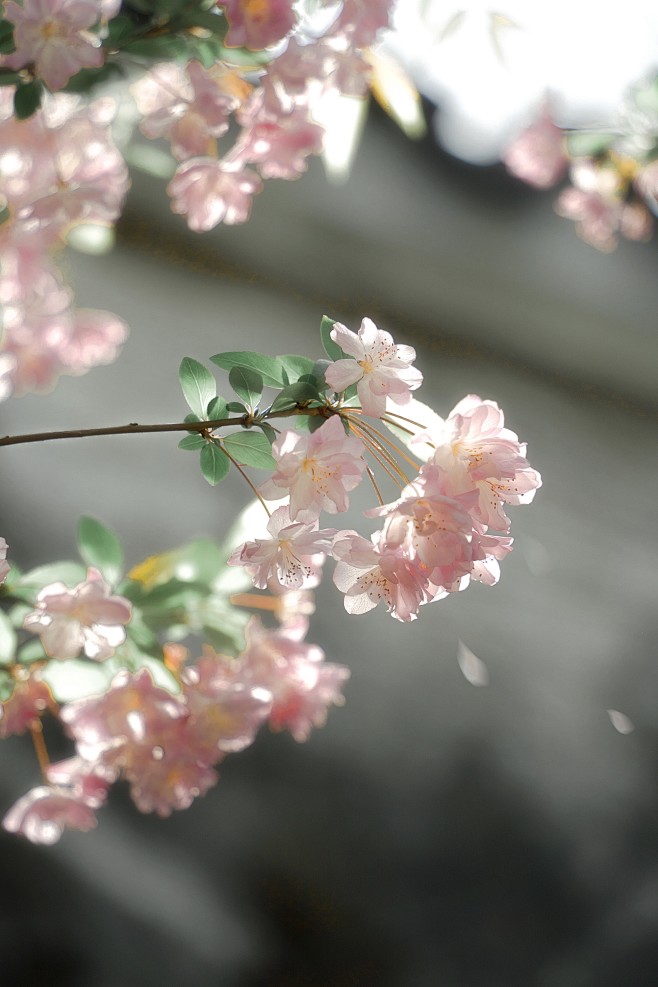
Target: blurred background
x,y
436,832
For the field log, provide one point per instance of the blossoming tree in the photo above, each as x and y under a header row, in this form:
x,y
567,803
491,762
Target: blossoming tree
x,y
157,714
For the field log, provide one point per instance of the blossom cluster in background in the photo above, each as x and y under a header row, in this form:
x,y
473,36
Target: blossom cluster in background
x,y
614,175
252,75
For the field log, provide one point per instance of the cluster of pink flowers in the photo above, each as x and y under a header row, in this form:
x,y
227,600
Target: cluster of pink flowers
x,y
192,106
58,169
167,745
447,527
607,195
57,38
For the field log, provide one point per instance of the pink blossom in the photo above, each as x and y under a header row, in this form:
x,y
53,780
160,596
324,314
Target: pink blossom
x,y
278,144
143,731
53,35
362,20
372,572
76,789
538,155
290,559
432,527
380,368
317,470
488,551
45,812
191,106
26,705
301,683
86,618
209,192
128,719
4,565
257,24
596,204
168,773
225,711
475,452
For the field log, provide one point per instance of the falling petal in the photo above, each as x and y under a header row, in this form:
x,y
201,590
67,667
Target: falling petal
x,y
472,668
620,721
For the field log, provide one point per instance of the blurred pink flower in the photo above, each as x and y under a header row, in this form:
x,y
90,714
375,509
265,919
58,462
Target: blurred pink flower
x,y
29,700
381,369
86,618
209,192
596,203
189,105
362,20
290,559
257,24
225,711
317,470
278,144
301,683
4,565
538,155
45,812
55,36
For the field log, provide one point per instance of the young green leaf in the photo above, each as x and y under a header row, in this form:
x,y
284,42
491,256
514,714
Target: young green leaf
x,y
247,384
198,384
268,431
332,349
217,408
293,394
295,366
267,367
585,144
214,463
191,442
7,639
101,548
237,408
250,449
27,99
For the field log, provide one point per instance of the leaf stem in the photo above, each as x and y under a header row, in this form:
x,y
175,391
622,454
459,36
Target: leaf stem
x,y
244,476
36,732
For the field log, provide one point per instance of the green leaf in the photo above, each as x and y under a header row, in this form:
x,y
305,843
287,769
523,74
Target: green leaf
x,y
8,78
236,408
31,651
191,442
295,366
268,431
27,99
7,639
217,408
332,349
7,683
101,548
267,367
250,449
198,384
6,37
247,384
294,394
214,463
118,30
584,145
69,573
